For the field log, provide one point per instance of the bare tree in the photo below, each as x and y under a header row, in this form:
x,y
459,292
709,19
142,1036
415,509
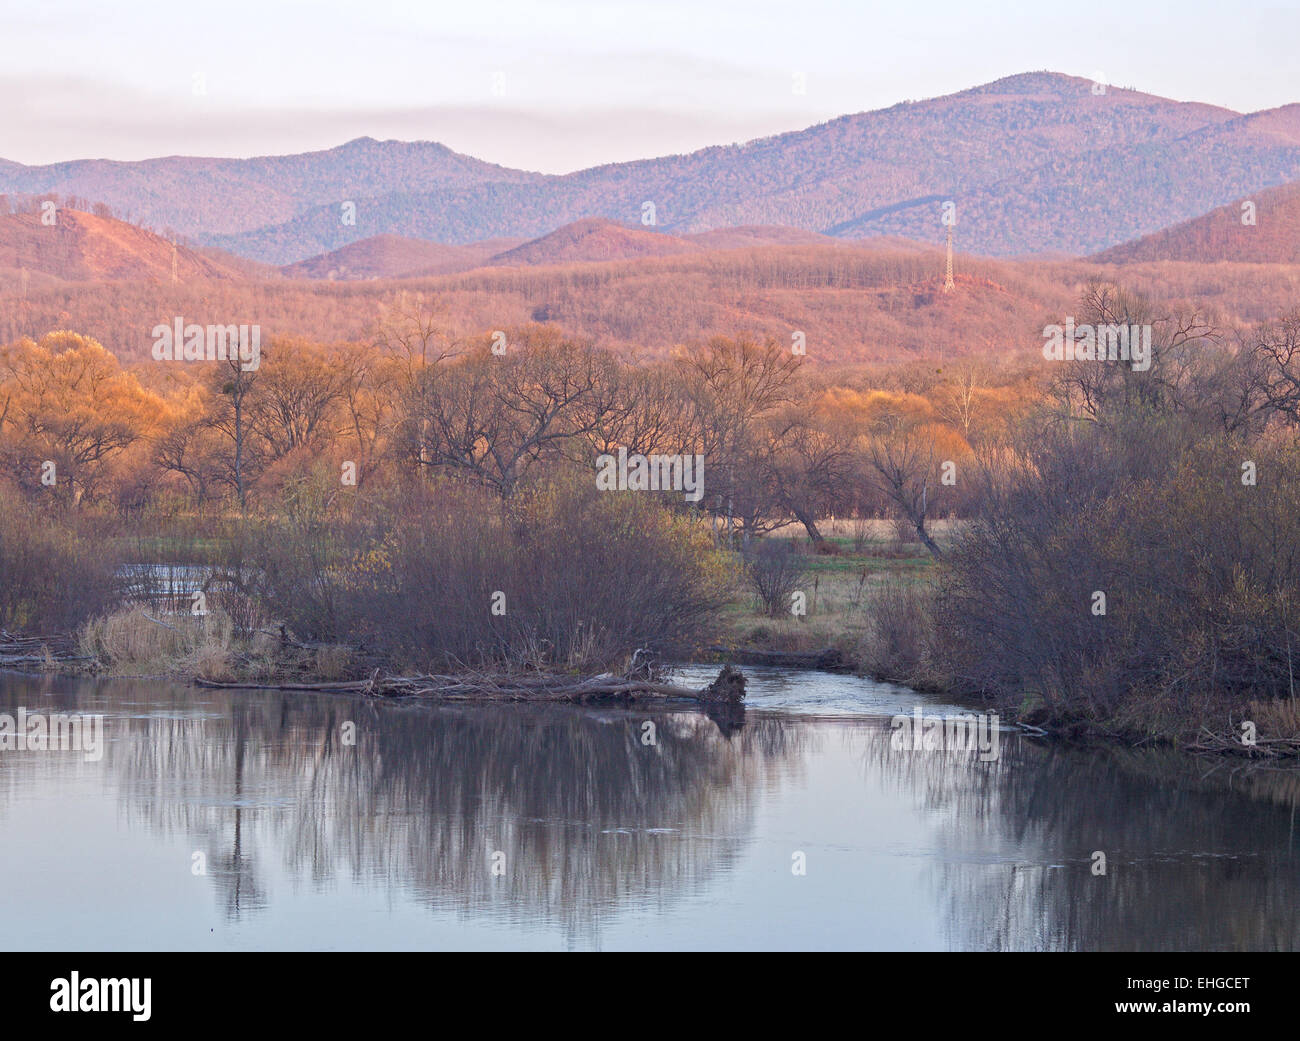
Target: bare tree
x,y
810,470
491,418
902,464
1278,347
413,333
957,397
235,386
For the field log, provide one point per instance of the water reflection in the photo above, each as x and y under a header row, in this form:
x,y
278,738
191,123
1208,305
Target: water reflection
x,y
1199,855
586,811
599,826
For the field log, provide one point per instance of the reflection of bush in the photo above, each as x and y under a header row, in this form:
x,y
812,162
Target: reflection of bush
x,y
1196,860
428,794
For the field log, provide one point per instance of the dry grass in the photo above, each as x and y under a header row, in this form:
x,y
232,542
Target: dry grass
x,y
135,642
331,663
1276,719
132,641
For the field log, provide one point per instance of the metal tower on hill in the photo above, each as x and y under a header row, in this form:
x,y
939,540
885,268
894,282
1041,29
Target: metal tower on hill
x,y
948,284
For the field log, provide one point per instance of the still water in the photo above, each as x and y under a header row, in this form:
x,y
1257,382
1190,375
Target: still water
x,y
219,820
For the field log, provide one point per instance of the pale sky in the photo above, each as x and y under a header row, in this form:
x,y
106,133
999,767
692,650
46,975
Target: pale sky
x,y
556,85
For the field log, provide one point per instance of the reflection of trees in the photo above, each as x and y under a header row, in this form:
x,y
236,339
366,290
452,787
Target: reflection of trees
x,y
588,817
1200,856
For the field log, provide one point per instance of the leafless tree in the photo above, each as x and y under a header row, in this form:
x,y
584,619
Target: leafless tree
x,y
901,463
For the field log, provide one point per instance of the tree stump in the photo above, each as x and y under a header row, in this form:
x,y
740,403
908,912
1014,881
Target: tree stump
x,y
729,687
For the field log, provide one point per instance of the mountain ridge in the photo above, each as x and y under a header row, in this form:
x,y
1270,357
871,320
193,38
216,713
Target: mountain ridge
x,y
1036,162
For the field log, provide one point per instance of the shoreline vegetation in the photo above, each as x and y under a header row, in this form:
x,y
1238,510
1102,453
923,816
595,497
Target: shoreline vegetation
x,y
890,577
1095,551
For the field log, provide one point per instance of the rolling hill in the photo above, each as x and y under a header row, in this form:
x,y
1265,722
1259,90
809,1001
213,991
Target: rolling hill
x,y
1221,235
593,240
392,256
851,304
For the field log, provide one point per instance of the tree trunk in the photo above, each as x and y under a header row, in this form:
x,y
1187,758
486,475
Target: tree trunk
x,y
809,523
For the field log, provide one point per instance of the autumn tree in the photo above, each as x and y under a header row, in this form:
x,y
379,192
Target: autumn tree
x,y
66,400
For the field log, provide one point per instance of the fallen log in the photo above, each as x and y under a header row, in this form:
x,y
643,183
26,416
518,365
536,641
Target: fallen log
x,y
343,687
727,688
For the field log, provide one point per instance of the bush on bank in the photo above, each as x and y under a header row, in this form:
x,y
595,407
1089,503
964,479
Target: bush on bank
x,y
444,576
1129,574
56,570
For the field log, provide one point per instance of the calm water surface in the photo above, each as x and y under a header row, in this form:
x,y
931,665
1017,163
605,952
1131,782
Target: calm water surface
x,y
603,841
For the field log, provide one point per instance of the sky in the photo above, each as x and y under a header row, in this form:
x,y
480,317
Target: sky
x,y
556,85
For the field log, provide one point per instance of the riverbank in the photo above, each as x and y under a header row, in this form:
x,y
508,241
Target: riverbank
x,y
869,609
203,651
866,606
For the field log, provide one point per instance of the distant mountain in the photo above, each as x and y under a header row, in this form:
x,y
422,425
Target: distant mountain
x,y
392,256
83,247
206,198
586,241
1035,163
1221,235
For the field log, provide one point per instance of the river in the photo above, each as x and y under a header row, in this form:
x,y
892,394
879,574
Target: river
x,y
220,820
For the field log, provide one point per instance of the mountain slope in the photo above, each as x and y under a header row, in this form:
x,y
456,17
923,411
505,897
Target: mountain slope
x,y
851,304
83,247
751,235
1220,235
593,240
202,198
1035,163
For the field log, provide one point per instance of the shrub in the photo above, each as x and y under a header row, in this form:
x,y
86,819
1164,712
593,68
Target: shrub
x,y
54,571
898,643
1200,572
451,576
775,571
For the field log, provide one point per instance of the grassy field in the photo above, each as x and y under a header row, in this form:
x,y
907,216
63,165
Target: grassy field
x,y
861,562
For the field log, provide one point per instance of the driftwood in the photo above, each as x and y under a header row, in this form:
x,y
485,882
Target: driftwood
x,y
36,650
1230,744
831,659
727,688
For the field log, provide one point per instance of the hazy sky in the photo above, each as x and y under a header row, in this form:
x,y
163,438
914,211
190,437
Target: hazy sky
x,y
555,86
